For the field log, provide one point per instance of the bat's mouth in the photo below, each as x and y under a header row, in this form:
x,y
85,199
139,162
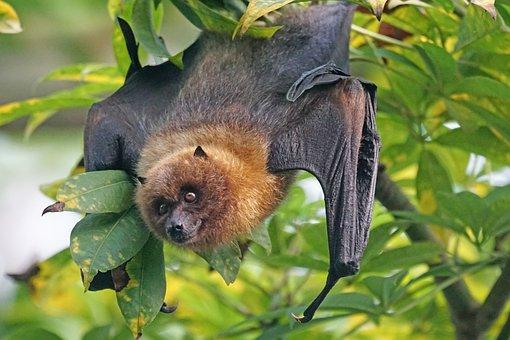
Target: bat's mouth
x,y
183,234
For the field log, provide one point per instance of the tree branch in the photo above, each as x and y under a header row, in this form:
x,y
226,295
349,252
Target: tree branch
x,y
495,301
505,331
460,302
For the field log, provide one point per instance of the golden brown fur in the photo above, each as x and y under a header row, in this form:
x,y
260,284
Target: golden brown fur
x,y
237,191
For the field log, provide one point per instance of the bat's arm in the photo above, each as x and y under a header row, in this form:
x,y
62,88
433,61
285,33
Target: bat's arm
x,y
336,141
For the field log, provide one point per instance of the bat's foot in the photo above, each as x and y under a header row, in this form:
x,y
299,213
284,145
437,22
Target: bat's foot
x,y
301,319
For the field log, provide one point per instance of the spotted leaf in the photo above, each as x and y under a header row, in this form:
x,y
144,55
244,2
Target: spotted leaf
x,y
97,192
100,242
143,296
256,9
226,260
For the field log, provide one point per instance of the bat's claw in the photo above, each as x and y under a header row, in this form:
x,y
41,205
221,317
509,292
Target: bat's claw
x,y
301,319
168,309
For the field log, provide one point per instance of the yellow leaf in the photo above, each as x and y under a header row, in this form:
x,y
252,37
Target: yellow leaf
x,y
9,21
487,5
255,10
428,203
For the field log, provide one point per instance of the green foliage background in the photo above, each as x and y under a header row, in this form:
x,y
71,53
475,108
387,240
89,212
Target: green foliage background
x,y
443,108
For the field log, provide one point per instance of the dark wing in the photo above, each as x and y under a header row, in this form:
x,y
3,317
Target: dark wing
x,y
117,127
131,46
335,140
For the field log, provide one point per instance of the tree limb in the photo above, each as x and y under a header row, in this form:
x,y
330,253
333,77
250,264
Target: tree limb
x,y
495,301
505,331
460,302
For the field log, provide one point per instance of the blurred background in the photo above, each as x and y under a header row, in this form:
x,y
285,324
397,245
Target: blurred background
x,y
55,33
416,56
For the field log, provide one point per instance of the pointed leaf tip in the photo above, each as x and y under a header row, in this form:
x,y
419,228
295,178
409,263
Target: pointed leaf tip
x,y
55,207
377,7
9,21
487,5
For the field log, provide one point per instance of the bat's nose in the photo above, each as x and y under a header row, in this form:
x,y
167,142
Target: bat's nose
x,y
175,231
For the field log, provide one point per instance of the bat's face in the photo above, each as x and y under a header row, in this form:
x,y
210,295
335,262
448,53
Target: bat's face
x,y
186,199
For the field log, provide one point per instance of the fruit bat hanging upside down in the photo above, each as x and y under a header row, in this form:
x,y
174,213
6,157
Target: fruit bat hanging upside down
x,y
215,146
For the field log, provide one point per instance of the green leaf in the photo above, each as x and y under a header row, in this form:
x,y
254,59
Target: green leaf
x,y
31,332
439,62
260,236
356,302
209,19
466,207
9,21
142,298
482,142
432,178
102,332
379,236
105,241
143,28
399,58
475,25
35,120
440,220
315,236
481,87
498,201
301,261
386,289
257,9
88,73
51,189
120,8
80,96
97,192
487,5
468,120
226,260
499,125
403,258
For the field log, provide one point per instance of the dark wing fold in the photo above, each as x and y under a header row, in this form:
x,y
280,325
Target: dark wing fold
x,y
132,47
336,141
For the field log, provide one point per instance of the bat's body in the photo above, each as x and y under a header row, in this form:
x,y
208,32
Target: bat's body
x,y
232,81
216,143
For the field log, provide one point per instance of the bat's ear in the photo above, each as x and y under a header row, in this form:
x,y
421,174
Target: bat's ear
x,y
142,180
199,152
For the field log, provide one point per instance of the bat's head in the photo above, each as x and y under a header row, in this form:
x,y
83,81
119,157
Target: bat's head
x,y
203,197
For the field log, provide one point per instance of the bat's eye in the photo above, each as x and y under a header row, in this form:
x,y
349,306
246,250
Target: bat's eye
x,y
190,197
162,209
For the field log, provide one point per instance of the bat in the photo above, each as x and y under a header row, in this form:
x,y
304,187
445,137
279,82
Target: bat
x,y
251,112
